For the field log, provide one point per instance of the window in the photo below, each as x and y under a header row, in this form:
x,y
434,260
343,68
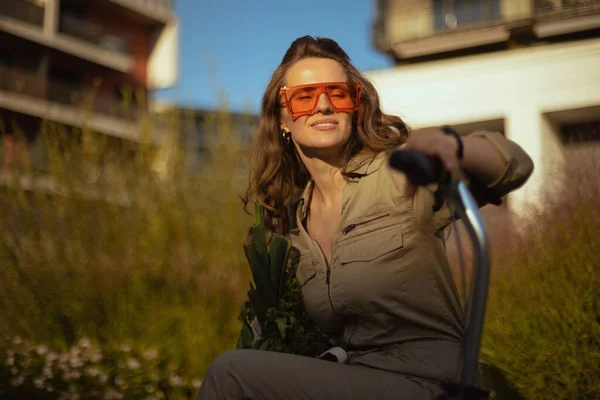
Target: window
x,y
450,14
4,59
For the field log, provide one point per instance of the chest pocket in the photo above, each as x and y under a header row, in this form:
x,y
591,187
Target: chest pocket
x,y
370,238
306,269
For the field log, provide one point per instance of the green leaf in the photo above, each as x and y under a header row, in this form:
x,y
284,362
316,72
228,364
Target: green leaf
x,y
246,336
276,299
259,216
281,325
258,305
261,279
259,241
259,235
264,345
278,252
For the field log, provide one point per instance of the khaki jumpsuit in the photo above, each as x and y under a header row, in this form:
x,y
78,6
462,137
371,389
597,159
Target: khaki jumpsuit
x,y
388,297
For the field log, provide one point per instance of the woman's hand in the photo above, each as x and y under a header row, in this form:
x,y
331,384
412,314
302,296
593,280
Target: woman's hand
x,y
435,142
481,157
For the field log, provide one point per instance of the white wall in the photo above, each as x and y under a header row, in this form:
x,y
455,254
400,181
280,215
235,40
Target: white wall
x,y
163,63
519,86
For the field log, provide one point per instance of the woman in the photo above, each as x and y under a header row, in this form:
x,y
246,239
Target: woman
x,y
372,266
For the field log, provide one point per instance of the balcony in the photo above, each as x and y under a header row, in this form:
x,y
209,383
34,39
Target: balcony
x,y
146,11
564,7
446,26
23,10
93,33
160,6
564,17
26,83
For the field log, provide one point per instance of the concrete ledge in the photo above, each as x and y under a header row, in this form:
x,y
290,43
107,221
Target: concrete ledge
x,y
69,115
64,43
544,29
145,11
456,41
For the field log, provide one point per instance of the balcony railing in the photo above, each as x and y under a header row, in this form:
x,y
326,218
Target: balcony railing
x,y
29,84
93,33
163,6
23,11
458,14
448,25
541,7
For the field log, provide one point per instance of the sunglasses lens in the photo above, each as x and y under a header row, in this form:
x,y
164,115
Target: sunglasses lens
x,y
341,96
304,99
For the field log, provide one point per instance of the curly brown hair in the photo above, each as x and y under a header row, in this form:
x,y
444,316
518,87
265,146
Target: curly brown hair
x,y
276,173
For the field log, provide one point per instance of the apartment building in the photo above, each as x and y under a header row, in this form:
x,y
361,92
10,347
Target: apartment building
x,y
76,61
527,68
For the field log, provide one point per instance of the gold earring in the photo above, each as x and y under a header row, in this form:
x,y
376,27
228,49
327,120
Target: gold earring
x,y
287,136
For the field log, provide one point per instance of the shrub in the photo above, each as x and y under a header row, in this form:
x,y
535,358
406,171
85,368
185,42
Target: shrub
x,y
86,371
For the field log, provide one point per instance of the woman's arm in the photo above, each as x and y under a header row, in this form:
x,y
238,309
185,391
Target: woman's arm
x,y
495,161
481,158
499,165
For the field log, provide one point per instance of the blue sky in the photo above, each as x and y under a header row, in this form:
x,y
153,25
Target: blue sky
x,y
231,47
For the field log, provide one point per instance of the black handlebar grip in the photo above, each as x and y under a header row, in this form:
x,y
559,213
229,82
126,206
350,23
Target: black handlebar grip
x,y
419,168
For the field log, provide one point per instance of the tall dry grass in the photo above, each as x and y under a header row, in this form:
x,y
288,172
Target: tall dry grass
x,y
123,246
543,321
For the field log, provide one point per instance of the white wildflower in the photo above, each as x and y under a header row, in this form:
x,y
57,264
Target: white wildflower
x,y
72,375
26,362
17,340
50,357
150,354
41,350
10,359
84,343
75,361
47,372
71,394
18,380
94,355
74,352
196,383
112,394
132,363
63,359
176,381
126,348
39,382
92,371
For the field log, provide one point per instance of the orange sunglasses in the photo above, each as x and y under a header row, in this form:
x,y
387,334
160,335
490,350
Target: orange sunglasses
x,y
303,99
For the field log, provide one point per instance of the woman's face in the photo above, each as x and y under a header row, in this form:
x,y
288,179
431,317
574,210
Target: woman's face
x,y
325,131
